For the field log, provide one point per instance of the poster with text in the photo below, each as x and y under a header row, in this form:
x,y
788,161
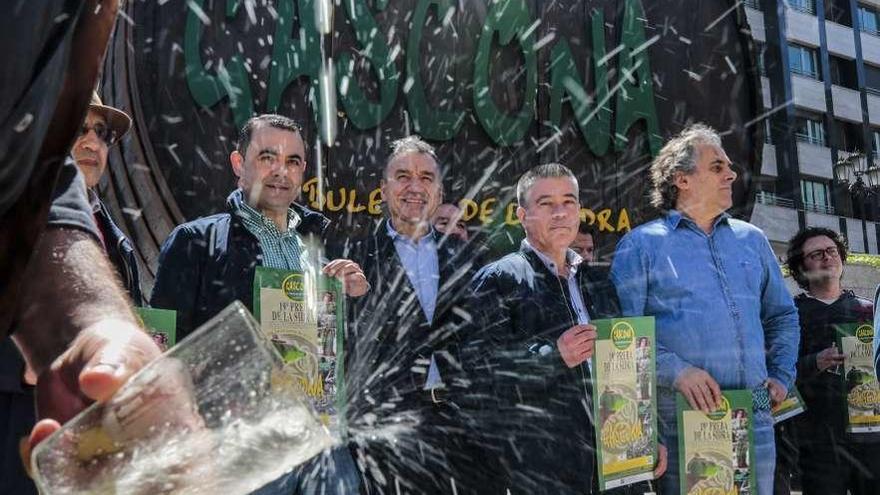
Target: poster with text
x,y
304,316
855,341
625,408
716,450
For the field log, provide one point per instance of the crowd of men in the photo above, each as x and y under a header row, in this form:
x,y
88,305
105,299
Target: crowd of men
x,y
463,374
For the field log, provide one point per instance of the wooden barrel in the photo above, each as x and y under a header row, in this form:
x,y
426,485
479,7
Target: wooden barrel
x,y
498,87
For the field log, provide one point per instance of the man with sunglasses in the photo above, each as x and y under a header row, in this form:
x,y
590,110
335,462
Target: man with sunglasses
x,y
103,127
831,460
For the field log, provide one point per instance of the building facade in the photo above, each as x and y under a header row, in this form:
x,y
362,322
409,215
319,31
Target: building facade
x,y
819,62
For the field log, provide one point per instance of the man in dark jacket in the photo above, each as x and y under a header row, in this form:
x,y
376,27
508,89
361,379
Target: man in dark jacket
x,y
526,354
210,262
832,461
404,334
103,127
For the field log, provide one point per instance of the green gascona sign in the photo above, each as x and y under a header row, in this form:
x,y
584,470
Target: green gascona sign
x,y
298,54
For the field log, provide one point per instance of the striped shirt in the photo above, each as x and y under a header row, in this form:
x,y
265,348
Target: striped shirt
x,y
284,250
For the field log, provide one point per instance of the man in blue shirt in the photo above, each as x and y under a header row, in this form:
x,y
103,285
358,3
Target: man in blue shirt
x,y
725,319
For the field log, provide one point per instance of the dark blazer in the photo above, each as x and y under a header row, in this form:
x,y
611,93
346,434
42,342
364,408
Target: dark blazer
x,y
529,412
121,253
210,262
391,346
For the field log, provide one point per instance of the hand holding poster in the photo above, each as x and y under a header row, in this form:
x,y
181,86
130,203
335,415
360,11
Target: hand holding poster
x,y
791,406
860,381
624,403
716,449
304,315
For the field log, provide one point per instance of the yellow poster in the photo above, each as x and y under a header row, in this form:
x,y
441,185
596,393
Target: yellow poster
x,y
860,382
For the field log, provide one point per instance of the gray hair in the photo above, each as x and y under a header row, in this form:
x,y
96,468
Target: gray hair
x,y
546,171
678,155
409,144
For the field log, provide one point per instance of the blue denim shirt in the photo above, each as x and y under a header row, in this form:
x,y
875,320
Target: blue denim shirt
x,y
719,300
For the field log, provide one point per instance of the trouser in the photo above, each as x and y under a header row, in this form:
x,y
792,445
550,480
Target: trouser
x,y
17,417
832,464
764,445
786,457
332,472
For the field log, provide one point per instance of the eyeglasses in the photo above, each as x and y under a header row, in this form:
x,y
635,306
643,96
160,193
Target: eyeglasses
x,y
103,131
820,254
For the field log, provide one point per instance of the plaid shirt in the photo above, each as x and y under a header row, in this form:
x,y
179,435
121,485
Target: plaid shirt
x,y
284,250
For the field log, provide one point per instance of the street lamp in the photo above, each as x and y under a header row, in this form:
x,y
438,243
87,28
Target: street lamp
x,y
859,174
861,177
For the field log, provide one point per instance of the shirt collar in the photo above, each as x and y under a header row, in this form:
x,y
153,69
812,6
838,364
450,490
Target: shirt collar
x,y
395,235
94,200
247,211
573,259
674,218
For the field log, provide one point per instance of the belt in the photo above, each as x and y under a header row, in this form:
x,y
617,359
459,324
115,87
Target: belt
x,y
761,399
439,395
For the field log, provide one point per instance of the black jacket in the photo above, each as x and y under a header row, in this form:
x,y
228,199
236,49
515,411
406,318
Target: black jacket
x,y
391,347
530,413
824,393
121,253
210,262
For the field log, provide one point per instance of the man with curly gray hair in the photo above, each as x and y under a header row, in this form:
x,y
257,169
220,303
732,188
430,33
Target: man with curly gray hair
x,y
724,318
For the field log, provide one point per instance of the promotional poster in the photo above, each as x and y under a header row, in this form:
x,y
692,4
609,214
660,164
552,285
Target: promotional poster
x,y
716,449
161,324
624,376
304,316
862,393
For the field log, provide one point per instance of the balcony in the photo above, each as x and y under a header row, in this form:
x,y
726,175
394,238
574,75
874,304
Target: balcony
x,y
819,219
847,103
874,109
854,235
765,92
775,216
815,160
819,208
840,40
808,93
756,24
768,160
871,48
802,27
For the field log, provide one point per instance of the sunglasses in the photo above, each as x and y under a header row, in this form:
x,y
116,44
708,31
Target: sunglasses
x,y
103,131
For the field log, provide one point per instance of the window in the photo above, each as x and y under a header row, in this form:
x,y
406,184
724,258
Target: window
x,y
802,60
807,6
849,136
815,196
753,4
868,20
810,131
843,72
872,79
875,142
